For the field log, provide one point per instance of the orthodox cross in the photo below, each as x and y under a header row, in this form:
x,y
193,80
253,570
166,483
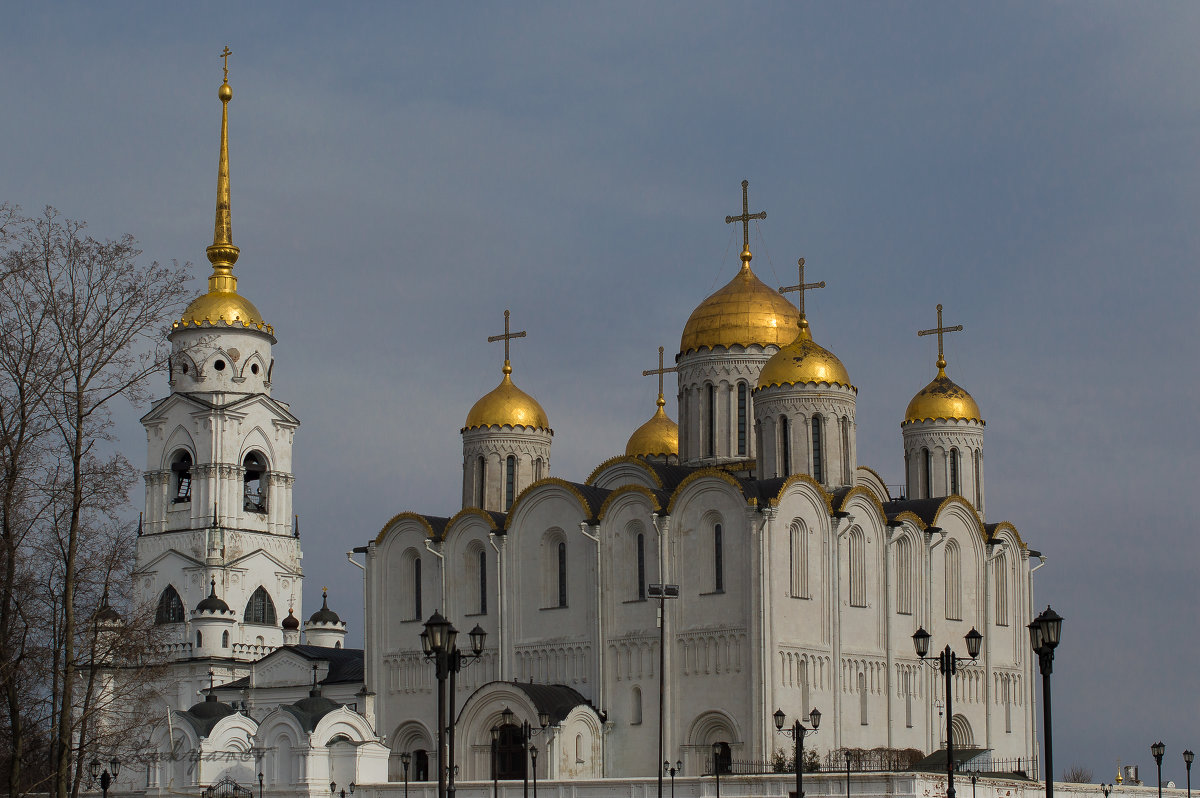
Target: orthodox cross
x,y
225,58
314,677
506,337
938,331
210,679
802,287
660,371
746,216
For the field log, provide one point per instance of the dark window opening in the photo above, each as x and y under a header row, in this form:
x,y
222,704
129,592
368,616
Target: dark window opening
x,y
722,758
641,566
170,607
510,754
818,465
224,639
260,608
510,481
417,589
254,495
483,583
562,574
927,463
741,419
710,443
219,365
420,765
718,560
181,472
785,446
954,486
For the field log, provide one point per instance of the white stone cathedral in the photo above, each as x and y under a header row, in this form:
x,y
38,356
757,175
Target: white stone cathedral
x,y
801,577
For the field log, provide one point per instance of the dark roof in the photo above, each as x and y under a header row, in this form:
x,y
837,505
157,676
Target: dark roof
x,y
309,711
556,700
291,621
762,489
324,615
670,475
936,762
206,714
439,525
213,603
593,496
925,509
107,614
345,664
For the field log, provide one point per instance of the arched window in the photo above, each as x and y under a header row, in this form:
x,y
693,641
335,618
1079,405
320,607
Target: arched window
x,y
225,639
953,582
718,561
858,568
260,608
420,765
562,574
1001,589
845,450
785,446
927,466
977,457
254,494
170,607
641,566
741,418
199,639
798,536
862,699
804,684
181,475
537,469
483,588
480,473
908,723
416,589
635,709
578,748
954,486
904,576
710,427
818,472
510,481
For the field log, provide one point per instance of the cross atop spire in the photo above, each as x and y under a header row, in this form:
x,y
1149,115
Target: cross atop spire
x,y
746,216
225,61
939,330
211,676
506,337
660,371
801,288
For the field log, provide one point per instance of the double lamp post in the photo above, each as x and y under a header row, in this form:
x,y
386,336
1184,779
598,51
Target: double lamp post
x,y
438,642
797,732
108,776
948,663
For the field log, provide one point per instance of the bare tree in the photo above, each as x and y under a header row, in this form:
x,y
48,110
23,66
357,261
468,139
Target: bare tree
x,y
1078,774
92,322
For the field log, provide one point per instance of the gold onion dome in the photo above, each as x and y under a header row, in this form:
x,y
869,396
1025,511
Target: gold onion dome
x,y
942,399
742,313
507,406
656,438
222,303
803,361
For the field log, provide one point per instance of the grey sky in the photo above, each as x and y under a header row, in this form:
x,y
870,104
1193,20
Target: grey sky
x,y
401,174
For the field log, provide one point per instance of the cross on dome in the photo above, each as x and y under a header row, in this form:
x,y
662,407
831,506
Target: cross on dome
x,y
746,216
660,371
506,337
801,288
225,61
939,330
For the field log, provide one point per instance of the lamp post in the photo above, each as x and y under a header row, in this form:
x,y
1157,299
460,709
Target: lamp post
x,y
438,643
974,778
797,732
533,752
405,760
1106,789
1188,756
1044,633
108,776
495,764
527,733
847,774
1158,749
716,751
667,768
662,592
948,663
260,784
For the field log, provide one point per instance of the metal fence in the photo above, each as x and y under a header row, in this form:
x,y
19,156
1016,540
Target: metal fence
x,y
876,760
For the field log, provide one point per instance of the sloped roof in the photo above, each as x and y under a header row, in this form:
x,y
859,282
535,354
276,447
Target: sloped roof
x,y
556,700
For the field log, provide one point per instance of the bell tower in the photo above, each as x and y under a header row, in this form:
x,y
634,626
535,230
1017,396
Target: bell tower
x,y
217,553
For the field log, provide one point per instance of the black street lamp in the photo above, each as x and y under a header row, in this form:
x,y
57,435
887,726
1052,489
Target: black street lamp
x,y
1158,749
533,752
847,774
797,732
1106,789
974,778
667,768
716,751
1044,632
438,643
527,733
495,763
108,776
948,663
405,760
662,592
1188,756
260,784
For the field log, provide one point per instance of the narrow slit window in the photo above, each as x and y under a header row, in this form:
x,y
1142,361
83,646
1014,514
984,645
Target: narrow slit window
x,y
785,446
718,560
845,451
562,574
181,469
927,465
741,419
954,486
483,588
480,472
417,589
818,465
710,444
254,491
641,566
510,481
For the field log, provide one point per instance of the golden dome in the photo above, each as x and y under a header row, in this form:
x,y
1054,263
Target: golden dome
x,y
656,438
507,406
744,312
801,362
217,306
942,399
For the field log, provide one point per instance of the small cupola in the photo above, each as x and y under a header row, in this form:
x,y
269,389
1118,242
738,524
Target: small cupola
x,y
658,438
324,627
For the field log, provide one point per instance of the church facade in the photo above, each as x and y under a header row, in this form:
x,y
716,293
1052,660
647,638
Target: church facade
x,y
801,578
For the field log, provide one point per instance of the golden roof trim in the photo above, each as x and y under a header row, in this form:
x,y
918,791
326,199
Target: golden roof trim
x,y
695,476
809,382
624,458
466,511
558,481
955,498
407,515
875,474
621,491
1009,526
807,480
859,490
911,517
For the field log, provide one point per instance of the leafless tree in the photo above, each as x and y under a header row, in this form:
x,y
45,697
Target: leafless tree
x,y
1078,774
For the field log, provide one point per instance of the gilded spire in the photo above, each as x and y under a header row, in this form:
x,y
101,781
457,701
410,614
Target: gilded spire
x,y
223,254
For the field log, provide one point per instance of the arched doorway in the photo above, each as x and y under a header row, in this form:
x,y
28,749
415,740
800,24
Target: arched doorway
x,y
960,729
722,757
510,753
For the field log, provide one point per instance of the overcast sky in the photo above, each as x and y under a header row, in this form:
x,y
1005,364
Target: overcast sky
x,y
402,174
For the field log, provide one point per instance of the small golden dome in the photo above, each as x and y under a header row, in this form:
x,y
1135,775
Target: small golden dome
x,y
658,437
801,362
744,312
217,306
507,406
942,399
